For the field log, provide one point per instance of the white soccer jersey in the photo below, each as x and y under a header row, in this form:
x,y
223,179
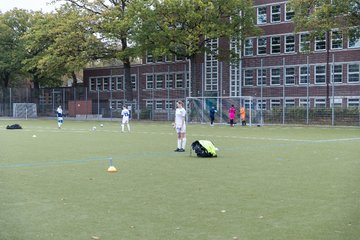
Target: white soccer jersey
x,y
125,115
180,114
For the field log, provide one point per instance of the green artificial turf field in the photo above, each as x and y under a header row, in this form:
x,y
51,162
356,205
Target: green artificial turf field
x,y
279,183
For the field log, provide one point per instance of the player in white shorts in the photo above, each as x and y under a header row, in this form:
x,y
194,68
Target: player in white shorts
x,y
180,126
60,118
125,118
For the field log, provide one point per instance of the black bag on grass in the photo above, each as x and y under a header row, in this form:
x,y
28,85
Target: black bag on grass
x,y
14,126
204,148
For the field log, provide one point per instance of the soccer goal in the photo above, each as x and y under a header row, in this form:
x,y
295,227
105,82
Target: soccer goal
x,y
198,109
24,110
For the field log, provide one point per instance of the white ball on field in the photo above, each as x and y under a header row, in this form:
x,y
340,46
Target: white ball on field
x,y
93,128
101,125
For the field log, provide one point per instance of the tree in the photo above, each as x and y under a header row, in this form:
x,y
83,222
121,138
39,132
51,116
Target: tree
x,y
13,24
321,17
60,44
113,25
184,28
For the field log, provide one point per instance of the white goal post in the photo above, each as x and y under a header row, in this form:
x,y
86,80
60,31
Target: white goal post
x,y
198,109
24,110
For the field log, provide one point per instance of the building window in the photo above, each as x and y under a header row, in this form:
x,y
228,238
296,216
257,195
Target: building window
x,y
261,77
106,84
92,84
261,46
337,75
353,73
320,43
158,105
211,69
336,40
290,44
303,102
275,13
304,43
169,104
290,102
149,82
133,81
149,104
304,75
353,39
261,104
99,84
179,80
353,102
336,102
320,103
290,75
275,76
149,58
248,78
160,81
320,74
119,83
289,13
275,103
169,81
248,47
113,83
261,15
275,45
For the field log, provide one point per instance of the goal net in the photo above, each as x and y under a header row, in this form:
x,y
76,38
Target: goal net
x,y
198,109
24,110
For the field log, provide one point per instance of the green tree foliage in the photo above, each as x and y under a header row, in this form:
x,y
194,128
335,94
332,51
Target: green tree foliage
x,y
113,25
60,44
13,25
184,27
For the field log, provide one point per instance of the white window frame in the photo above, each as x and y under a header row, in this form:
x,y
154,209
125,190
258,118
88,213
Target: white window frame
x,y
261,18
304,75
160,78
353,102
337,73
276,46
320,102
179,80
289,13
150,81
261,104
276,14
263,46
290,77
353,74
289,45
275,103
249,47
352,41
303,102
92,85
120,82
149,104
248,77
304,42
336,39
336,102
272,76
158,105
321,74
290,102
169,104
320,43
258,74
133,81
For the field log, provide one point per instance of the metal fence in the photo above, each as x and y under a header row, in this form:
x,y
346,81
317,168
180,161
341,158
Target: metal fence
x,y
156,106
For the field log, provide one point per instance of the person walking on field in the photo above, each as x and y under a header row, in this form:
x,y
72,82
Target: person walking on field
x,y
180,126
232,115
242,116
212,115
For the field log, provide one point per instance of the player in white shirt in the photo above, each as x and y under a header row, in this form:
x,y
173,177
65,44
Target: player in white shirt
x,y
125,118
59,114
180,126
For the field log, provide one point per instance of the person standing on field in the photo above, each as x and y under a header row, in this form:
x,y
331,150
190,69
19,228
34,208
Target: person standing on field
x,y
212,115
242,116
60,118
180,126
232,115
125,119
